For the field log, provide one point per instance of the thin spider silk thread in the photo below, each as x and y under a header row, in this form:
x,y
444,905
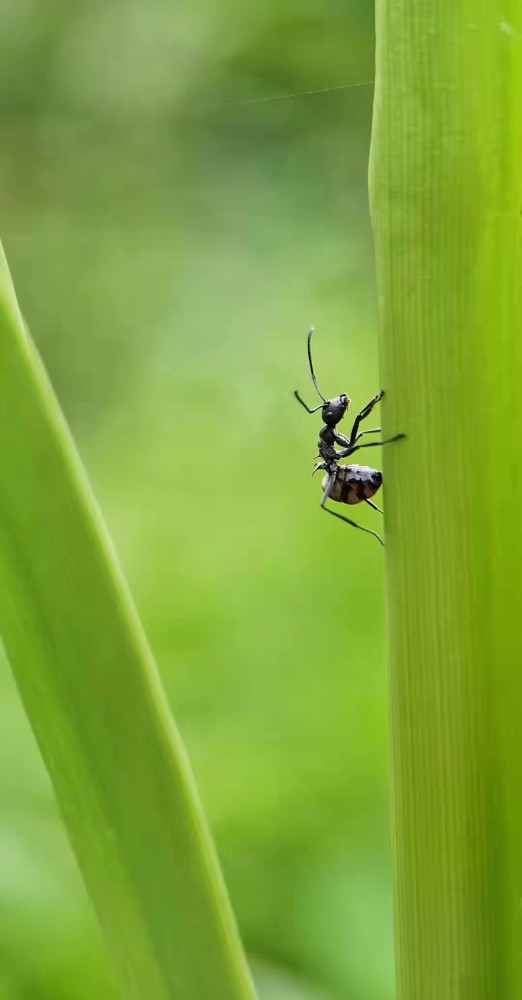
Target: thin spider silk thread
x,y
289,97
268,99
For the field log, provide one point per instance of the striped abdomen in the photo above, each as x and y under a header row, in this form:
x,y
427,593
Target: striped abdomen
x,y
354,483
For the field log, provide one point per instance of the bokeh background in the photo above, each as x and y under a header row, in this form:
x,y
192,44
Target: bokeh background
x,y
183,192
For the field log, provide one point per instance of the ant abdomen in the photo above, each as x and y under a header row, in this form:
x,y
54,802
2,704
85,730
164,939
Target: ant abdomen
x,y
354,483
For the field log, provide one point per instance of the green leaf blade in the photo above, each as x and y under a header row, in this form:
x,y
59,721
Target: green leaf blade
x,y
96,704
446,200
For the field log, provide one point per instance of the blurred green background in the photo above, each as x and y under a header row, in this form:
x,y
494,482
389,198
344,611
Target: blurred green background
x,y
175,219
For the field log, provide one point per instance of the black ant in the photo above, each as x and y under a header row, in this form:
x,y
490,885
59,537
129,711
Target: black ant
x,y
348,484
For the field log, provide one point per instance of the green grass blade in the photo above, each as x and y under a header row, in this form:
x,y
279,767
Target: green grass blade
x,y
446,203
92,694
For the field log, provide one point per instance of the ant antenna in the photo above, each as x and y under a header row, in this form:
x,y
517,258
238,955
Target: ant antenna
x,y
314,380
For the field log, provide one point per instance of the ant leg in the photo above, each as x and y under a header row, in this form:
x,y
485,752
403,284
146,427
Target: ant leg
x,y
365,412
307,408
327,491
374,505
353,524
340,438
375,430
370,444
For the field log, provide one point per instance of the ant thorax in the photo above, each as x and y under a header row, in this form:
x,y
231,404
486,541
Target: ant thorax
x,y
325,444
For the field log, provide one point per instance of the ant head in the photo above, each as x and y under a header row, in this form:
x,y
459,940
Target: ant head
x,y
334,409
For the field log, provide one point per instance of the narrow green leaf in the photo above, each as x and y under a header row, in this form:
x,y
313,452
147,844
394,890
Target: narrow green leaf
x,y
446,180
94,699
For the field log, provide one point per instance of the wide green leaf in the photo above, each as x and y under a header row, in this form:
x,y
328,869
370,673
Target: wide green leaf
x,y
446,200
96,705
